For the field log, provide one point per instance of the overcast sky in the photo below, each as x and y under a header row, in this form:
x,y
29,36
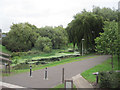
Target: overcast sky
x,y
46,12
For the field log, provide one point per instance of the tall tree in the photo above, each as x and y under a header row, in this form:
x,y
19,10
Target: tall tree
x,y
106,13
21,37
107,42
85,25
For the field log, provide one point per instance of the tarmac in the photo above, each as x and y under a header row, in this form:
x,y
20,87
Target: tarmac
x,y
72,70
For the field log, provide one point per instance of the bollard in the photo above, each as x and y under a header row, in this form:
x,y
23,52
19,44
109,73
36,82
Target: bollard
x,y
63,75
30,70
46,74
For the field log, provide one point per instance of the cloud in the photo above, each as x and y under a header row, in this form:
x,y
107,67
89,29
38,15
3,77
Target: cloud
x,y
45,12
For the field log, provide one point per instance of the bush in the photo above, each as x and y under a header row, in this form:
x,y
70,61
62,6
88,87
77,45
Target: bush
x,y
24,53
109,80
47,49
43,44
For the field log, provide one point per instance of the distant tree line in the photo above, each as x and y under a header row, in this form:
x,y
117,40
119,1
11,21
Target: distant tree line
x,y
24,37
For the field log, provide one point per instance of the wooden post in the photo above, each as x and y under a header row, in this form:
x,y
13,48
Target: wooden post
x,y
9,68
63,75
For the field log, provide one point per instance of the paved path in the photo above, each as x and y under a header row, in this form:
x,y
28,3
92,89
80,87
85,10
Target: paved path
x,y
54,73
80,82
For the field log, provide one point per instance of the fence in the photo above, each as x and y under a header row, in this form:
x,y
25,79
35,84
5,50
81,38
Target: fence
x,y
5,59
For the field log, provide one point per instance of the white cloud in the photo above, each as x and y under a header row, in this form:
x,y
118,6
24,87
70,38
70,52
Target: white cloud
x,y
45,12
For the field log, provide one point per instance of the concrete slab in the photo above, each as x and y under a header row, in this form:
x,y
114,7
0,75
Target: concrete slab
x,y
80,82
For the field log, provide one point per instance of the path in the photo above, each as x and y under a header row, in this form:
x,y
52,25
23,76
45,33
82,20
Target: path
x,y
80,82
54,74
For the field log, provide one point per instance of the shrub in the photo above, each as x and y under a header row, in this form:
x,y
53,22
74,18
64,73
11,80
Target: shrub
x,y
109,80
43,44
24,53
47,49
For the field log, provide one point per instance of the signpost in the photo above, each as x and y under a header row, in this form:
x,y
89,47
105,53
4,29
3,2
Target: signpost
x,y
68,84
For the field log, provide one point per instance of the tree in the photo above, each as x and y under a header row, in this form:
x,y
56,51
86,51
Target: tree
x,y
57,35
43,44
21,37
106,13
85,25
107,42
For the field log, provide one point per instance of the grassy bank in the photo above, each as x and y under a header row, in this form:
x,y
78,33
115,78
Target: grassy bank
x,y
4,50
105,66
63,61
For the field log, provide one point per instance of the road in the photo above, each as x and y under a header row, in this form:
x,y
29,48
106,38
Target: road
x,y
54,73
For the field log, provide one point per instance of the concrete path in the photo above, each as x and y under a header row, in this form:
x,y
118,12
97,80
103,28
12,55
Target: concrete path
x,y
54,73
80,82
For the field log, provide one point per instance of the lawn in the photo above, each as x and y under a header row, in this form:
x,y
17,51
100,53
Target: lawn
x,y
105,66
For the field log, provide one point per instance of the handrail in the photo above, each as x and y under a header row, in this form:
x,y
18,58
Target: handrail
x,y
5,59
1,53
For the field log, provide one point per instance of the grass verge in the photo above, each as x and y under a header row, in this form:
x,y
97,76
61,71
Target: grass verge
x,y
58,87
105,66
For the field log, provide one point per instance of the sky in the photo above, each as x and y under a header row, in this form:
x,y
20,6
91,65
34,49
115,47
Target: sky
x,y
46,12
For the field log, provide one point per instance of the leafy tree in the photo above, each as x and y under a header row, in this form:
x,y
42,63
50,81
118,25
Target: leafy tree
x,y
107,42
21,37
57,35
106,13
43,44
85,25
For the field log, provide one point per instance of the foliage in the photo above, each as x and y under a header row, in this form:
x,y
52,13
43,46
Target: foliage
x,y
43,44
24,53
46,49
106,13
104,66
21,37
57,35
109,80
107,42
85,25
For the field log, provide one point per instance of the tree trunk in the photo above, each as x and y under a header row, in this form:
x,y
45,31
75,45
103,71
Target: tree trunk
x,y
73,46
118,62
112,61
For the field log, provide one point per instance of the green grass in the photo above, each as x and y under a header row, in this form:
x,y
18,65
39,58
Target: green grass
x,y
105,66
4,50
54,53
63,61
58,87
